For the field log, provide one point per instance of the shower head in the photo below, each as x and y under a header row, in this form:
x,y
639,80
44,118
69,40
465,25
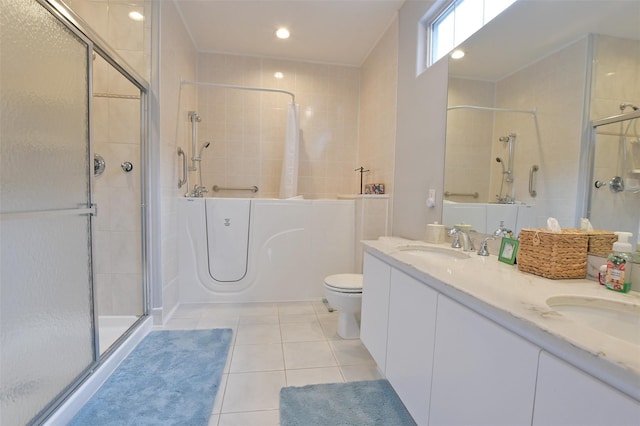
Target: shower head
x,y
202,147
499,160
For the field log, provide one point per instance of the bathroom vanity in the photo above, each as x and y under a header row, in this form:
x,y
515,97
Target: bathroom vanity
x,y
466,339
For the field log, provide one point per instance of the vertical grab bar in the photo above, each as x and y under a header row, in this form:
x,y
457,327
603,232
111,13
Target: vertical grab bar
x,y
184,168
532,188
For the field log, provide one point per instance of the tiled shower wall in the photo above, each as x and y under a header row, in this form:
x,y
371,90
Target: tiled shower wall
x,y
247,129
177,60
116,136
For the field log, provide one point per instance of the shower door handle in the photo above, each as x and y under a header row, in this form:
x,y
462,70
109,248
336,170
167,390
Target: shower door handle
x,y
532,186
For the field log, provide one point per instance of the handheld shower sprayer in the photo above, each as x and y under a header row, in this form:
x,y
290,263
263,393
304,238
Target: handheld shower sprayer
x,y
202,147
499,160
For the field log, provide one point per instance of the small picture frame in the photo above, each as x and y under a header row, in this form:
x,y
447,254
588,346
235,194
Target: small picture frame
x,y
508,250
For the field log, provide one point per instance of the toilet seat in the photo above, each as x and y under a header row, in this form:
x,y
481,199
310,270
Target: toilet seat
x,y
344,283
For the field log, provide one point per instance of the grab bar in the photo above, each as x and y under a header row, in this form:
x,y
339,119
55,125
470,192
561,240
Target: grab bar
x,y
217,188
452,194
532,187
184,168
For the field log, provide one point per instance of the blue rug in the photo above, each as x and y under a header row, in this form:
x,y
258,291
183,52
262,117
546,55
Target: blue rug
x,y
170,378
370,403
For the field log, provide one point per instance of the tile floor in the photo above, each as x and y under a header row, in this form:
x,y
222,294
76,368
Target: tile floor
x,y
275,345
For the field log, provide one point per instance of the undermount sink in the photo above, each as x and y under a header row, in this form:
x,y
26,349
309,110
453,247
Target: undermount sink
x,y
617,319
433,252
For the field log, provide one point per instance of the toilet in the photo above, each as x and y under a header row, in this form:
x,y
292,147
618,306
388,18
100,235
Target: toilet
x,y
344,292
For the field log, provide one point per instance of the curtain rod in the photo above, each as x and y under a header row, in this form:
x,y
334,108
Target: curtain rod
x,y
523,111
233,86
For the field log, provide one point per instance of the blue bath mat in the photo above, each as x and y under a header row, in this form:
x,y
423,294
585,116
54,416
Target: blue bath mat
x,y
370,403
170,378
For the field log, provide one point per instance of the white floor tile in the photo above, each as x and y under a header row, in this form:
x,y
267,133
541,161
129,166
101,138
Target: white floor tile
x,y
181,324
355,373
327,316
302,332
258,334
308,355
350,352
259,319
253,391
291,308
275,345
208,323
330,329
319,307
297,318
247,358
313,376
253,418
221,312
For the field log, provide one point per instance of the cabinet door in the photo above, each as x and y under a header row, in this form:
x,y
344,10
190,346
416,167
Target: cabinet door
x,y
412,328
375,308
568,396
482,373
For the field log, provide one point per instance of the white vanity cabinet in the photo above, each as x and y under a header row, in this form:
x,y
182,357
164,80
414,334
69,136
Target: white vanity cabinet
x,y
411,333
453,365
375,308
482,373
568,396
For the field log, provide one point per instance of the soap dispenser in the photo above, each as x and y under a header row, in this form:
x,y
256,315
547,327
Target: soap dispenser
x,y
619,264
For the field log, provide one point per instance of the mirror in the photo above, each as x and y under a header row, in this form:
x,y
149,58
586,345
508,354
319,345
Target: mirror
x,y
530,143
616,171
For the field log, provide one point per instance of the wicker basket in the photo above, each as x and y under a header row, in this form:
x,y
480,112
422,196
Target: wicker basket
x,y
555,255
601,242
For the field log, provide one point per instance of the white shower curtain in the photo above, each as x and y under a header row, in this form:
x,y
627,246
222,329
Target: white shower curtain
x,y
289,178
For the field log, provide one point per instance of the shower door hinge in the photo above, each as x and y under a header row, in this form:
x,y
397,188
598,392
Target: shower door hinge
x,y
93,209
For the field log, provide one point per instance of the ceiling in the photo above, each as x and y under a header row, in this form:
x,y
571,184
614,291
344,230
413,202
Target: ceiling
x,y
344,31
530,30
330,31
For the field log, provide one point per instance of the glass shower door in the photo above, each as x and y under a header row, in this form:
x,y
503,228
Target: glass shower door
x,y
615,189
46,314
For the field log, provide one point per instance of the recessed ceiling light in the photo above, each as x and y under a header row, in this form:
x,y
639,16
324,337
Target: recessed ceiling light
x,y
278,74
457,54
282,33
136,16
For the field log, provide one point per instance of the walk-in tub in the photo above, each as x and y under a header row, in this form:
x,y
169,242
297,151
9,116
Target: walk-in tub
x,y
261,250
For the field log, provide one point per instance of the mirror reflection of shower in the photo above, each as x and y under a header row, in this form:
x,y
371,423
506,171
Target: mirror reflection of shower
x,y
507,174
629,144
196,160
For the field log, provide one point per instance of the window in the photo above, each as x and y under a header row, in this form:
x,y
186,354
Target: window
x,y
459,21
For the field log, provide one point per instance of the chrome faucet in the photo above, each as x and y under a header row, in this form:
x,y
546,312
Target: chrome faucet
x,y
467,242
198,191
484,246
503,231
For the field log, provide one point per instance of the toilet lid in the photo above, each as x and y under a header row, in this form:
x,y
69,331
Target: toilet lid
x,y
346,283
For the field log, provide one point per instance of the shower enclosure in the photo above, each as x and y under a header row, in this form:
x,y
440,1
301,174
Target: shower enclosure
x,y
614,198
71,238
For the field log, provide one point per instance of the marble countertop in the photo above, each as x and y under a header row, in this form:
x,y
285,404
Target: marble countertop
x,y
518,301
